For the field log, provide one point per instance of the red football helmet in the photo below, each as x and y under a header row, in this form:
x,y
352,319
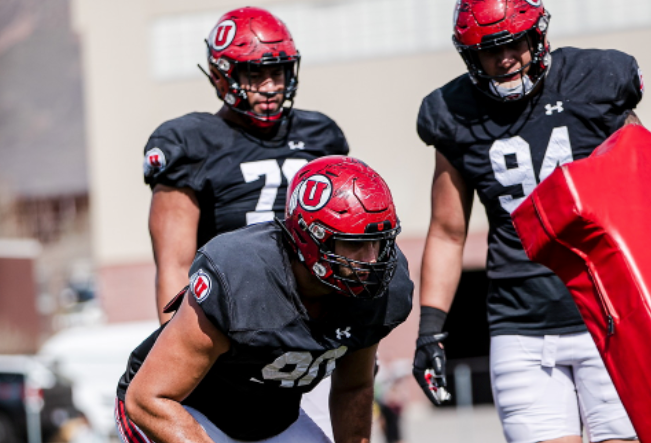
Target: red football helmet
x,y
341,198
485,24
243,40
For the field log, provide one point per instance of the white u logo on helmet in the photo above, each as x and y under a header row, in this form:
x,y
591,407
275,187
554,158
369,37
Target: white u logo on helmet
x,y
315,192
222,35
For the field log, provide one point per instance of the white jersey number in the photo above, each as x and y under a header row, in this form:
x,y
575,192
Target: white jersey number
x,y
306,369
271,170
512,164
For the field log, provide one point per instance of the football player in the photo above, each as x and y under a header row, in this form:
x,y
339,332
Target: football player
x,y
270,310
212,173
519,112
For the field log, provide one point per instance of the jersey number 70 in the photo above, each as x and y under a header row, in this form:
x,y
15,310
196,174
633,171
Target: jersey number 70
x,y
271,170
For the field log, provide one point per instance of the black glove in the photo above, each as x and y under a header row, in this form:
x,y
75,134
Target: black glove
x,y
429,368
429,361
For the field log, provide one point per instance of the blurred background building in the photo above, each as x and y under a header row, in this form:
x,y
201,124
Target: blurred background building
x,y
43,172
83,84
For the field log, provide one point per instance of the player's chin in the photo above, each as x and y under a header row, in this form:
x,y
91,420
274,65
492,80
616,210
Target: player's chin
x,y
510,82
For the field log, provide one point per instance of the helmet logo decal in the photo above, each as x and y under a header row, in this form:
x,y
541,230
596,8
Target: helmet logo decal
x,y
315,192
223,35
535,3
155,161
200,285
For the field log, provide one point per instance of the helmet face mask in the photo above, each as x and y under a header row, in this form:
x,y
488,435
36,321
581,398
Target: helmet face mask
x,y
360,279
332,203
244,41
490,24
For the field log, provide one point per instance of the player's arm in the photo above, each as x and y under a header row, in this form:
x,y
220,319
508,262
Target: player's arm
x,y
632,119
351,396
184,352
451,204
173,225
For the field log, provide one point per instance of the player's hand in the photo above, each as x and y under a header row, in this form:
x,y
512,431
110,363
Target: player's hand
x,y
429,367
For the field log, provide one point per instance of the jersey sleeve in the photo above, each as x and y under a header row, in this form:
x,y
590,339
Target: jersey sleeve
x,y
323,135
401,294
334,141
208,287
434,129
168,159
339,143
620,87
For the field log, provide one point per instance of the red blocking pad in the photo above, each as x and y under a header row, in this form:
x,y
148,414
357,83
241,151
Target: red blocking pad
x,y
590,223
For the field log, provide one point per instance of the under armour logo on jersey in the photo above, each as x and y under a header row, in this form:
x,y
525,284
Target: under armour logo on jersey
x,y
155,161
296,145
315,192
344,333
200,285
550,109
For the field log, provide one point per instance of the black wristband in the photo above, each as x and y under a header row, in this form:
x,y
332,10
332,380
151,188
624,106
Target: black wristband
x,y
431,320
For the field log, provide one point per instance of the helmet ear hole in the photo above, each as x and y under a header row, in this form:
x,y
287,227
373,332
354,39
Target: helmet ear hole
x,y
219,82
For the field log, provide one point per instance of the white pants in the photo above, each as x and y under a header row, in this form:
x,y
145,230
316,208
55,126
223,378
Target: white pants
x,y
546,387
303,430
316,405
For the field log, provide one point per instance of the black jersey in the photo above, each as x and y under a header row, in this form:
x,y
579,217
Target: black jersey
x,y
503,150
244,284
238,179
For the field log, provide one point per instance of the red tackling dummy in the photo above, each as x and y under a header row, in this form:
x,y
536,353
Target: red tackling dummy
x,y
589,222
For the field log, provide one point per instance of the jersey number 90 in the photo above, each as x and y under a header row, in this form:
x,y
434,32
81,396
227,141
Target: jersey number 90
x,y
305,367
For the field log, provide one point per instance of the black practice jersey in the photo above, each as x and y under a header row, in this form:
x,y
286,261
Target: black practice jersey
x,y
244,284
237,178
503,150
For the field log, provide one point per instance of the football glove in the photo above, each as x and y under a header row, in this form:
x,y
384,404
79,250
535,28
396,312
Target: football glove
x,y
429,367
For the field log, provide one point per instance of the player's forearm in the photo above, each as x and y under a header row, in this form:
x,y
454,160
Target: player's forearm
x,y
441,270
165,421
184,353
452,202
170,279
351,412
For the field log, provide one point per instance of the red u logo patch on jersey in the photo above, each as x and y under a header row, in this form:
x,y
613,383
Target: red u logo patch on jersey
x,y
200,285
155,161
315,192
222,35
